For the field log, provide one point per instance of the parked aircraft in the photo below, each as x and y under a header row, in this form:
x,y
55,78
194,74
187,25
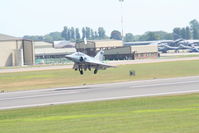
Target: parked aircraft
x,y
164,48
190,48
179,44
82,62
194,49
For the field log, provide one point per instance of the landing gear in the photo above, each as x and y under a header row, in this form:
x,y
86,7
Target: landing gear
x,y
95,71
81,72
89,68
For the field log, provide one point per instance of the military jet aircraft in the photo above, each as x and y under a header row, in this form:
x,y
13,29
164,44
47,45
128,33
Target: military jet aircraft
x,y
190,48
82,62
164,48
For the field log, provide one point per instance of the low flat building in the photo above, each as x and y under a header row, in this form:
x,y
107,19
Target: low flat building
x,y
145,51
132,52
93,46
115,50
119,53
46,51
53,53
42,44
16,51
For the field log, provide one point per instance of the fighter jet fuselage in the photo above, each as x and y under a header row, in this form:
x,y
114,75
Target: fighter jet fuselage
x,y
83,62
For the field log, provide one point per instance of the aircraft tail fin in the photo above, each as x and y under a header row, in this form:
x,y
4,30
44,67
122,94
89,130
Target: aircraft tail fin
x,y
100,55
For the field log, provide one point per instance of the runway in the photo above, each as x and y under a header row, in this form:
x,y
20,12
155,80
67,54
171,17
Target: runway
x,y
99,92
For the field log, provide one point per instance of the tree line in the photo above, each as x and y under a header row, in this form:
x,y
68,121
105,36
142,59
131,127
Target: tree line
x,y
76,34
188,32
73,34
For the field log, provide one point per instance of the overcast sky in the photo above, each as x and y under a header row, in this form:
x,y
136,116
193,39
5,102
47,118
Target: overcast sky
x,y
39,17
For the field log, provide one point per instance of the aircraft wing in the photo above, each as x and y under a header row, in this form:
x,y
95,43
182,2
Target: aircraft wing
x,y
99,64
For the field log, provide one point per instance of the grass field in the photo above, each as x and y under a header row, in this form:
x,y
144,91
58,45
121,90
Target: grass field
x,y
68,77
43,65
168,114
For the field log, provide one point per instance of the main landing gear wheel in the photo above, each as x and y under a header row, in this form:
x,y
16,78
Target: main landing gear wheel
x,y
81,72
95,71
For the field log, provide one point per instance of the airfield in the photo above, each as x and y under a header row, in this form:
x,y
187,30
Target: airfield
x,y
51,85
161,97
88,67
90,93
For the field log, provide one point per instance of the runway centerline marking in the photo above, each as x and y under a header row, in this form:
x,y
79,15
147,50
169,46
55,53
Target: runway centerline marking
x,y
100,99
163,84
35,96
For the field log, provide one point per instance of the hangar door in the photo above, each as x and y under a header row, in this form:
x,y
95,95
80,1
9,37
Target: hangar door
x,y
28,52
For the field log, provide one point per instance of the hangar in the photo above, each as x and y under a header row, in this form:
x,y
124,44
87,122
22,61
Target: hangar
x,y
46,53
93,46
47,50
15,51
115,50
132,52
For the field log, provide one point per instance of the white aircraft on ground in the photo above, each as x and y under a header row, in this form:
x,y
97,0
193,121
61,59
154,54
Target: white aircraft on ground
x,y
82,62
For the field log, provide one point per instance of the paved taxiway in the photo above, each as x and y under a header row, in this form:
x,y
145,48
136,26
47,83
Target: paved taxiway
x,y
114,63
99,92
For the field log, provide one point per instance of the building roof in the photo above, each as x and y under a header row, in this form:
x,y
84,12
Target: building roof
x,y
144,48
4,37
42,44
54,51
139,43
105,40
64,44
100,44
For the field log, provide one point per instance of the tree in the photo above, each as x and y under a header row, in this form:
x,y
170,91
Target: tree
x,y
129,37
177,33
77,34
195,28
183,33
115,34
53,36
150,36
96,36
88,33
69,34
101,33
72,33
188,33
64,33
168,36
92,35
83,33
155,35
